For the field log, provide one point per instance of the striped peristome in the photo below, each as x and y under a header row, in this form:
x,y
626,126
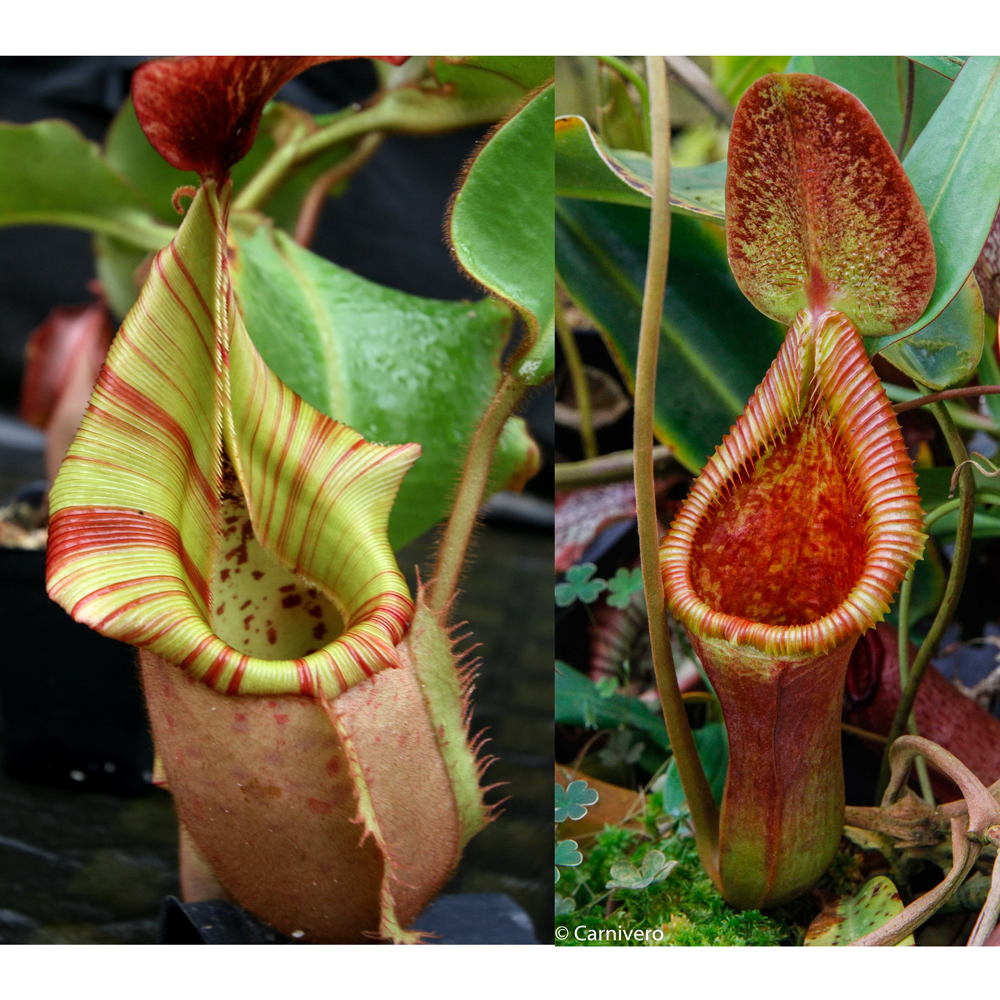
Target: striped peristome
x,y
821,374
189,445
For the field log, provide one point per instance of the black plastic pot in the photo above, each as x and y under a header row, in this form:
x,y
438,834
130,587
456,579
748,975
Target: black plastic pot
x,y
466,918
72,707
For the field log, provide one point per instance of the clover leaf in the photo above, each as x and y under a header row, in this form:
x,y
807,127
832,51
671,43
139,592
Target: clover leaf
x,y
620,750
567,855
653,868
623,585
564,905
579,585
572,801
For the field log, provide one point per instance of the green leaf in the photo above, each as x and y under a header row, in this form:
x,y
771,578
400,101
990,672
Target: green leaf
x,y
947,66
852,917
934,485
128,151
983,526
586,168
653,869
567,855
623,585
494,76
572,801
879,82
579,586
501,226
712,744
715,346
395,367
948,350
955,170
51,175
700,191
120,268
619,120
578,703
989,370
929,579
733,74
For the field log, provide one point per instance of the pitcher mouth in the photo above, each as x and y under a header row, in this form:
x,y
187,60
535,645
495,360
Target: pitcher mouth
x,y
800,528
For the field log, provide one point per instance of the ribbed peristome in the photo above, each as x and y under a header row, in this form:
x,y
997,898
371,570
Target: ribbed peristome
x,y
821,374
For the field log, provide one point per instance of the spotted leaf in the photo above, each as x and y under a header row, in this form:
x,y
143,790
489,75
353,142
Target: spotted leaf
x,y
819,212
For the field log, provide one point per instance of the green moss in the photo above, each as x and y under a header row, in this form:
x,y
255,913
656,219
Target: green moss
x,y
685,909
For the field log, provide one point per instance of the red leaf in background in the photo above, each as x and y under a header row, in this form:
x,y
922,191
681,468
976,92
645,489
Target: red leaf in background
x,y
819,211
201,112
943,713
70,337
64,357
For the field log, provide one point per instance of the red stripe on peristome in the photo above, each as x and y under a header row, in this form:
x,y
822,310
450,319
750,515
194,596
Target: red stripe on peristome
x,y
306,686
215,670
233,687
121,391
76,531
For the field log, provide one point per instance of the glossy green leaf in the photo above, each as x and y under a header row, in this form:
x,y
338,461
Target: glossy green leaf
x,y
879,82
715,346
699,191
505,76
713,750
51,175
955,169
947,351
852,917
395,367
947,66
586,168
733,74
501,226
578,702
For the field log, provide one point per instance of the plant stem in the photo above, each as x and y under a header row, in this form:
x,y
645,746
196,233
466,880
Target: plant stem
x,y
953,589
637,81
968,390
615,467
579,376
408,109
904,656
704,812
312,205
908,111
961,416
700,85
475,475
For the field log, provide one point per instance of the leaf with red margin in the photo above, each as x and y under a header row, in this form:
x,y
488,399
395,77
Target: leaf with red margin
x,y
201,112
819,212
